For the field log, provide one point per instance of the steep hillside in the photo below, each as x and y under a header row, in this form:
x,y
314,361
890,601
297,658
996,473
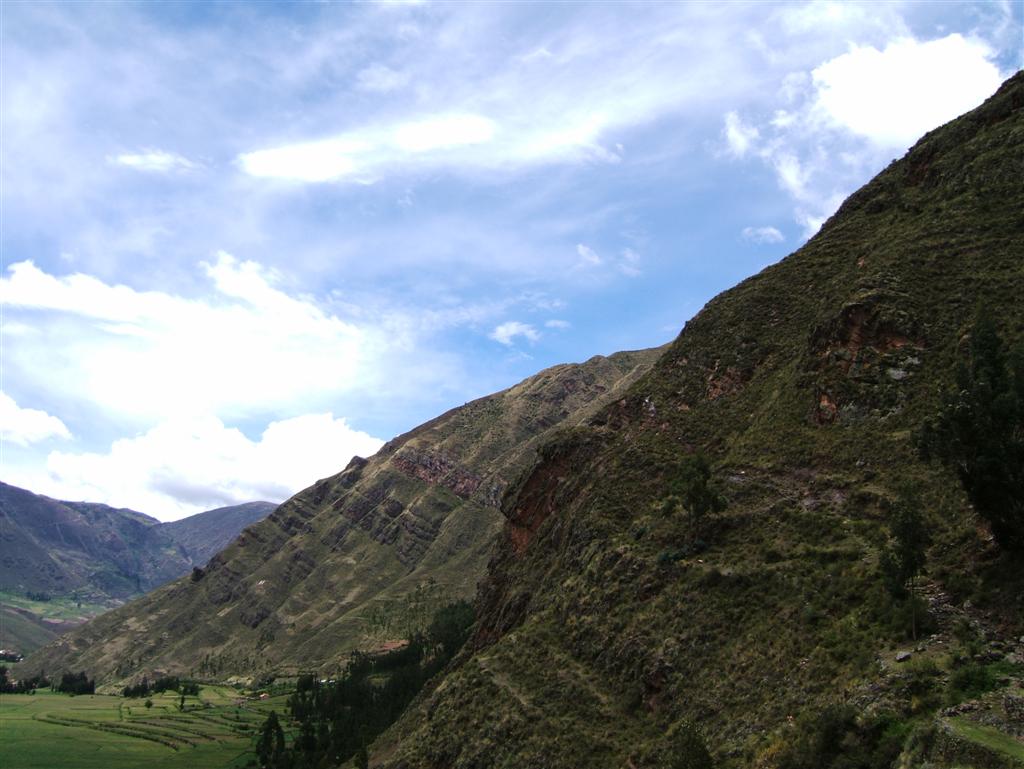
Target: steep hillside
x,y
64,562
206,534
610,619
357,559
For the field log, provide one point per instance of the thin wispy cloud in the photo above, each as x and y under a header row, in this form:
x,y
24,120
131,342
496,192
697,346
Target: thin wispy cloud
x,y
157,161
507,332
762,235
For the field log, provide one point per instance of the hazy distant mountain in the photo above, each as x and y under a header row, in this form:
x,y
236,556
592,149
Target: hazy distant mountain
x,y
62,562
61,547
206,534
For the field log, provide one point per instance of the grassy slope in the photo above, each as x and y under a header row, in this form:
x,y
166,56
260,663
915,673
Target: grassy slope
x,y
356,559
804,384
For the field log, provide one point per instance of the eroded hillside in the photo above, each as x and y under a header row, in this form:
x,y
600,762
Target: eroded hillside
x,y
357,559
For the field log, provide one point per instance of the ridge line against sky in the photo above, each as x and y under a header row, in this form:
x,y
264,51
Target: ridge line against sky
x,y
243,242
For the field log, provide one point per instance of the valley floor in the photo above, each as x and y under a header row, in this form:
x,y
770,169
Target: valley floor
x,y
215,731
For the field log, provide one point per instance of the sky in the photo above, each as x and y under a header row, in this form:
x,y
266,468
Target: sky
x,y
242,242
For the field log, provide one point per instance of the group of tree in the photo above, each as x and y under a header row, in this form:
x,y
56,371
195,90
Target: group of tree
x,y
24,686
76,683
693,492
335,721
163,684
979,432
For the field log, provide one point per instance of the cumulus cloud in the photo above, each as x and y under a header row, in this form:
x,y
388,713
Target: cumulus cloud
x,y
184,466
157,161
249,346
557,323
507,332
895,95
23,426
762,235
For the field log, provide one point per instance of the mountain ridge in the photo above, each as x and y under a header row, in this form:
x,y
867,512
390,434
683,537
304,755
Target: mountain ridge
x,y
357,559
606,629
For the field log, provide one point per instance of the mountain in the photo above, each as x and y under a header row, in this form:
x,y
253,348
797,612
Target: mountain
x,y
606,630
63,562
61,547
206,534
358,559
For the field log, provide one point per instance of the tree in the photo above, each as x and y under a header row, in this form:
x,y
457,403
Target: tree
x,y
149,704
362,759
906,555
687,749
693,488
979,432
270,745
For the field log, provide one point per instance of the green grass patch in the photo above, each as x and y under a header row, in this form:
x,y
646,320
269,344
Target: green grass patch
x,y
107,732
993,739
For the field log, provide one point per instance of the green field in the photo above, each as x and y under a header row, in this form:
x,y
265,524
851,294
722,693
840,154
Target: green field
x,y
27,624
216,730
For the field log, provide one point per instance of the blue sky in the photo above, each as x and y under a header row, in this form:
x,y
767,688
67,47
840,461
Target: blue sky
x,y
243,241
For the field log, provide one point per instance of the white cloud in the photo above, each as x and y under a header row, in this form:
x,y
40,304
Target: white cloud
x,y
444,132
557,324
361,155
852,113
508,331
739,137
318,161
587,254
180,467
249,347
24,426
157,161
895,95
628,261
378,78
762,235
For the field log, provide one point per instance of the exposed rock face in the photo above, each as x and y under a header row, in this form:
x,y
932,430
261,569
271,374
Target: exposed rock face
x,y
438,470
357,559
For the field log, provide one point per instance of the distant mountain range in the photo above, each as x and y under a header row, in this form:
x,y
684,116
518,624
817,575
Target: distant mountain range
x,y
65,561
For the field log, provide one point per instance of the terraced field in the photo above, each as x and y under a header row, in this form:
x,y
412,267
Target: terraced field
x,y
216,730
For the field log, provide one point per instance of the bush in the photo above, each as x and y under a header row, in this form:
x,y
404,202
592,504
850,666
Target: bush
x,y
970,681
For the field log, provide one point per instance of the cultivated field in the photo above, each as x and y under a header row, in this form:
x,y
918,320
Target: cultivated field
x,y
215,731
